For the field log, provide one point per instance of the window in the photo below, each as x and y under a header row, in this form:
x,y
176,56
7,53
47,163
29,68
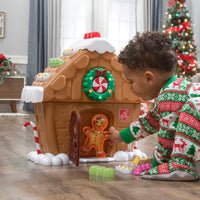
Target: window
x,y
121,22
76,19
116,20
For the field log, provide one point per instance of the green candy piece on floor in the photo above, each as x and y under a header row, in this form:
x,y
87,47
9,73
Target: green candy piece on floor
x,y
93,170
105,172
109,172
100,170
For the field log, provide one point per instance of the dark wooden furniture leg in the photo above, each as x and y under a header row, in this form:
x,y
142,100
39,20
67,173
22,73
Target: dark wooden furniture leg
x,y
13,106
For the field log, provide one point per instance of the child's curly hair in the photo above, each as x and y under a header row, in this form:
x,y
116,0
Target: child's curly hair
x,y
149,50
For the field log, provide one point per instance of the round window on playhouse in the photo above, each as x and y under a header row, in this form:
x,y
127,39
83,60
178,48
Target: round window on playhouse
x,y
98,84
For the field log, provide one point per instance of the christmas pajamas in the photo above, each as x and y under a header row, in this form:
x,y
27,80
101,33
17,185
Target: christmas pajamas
x,y
176,119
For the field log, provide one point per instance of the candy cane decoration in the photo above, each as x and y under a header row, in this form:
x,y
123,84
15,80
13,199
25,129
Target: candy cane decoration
x,y
130,146
135,145
35,135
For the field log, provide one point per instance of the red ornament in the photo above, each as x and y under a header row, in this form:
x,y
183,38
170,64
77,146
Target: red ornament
x,y
188,69
180,28
181,1
2,57
171,3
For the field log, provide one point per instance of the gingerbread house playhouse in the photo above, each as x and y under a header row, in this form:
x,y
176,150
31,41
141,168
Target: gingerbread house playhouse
x,y
88,79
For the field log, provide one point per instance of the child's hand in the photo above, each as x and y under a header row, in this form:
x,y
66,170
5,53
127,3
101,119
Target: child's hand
x,y
114,136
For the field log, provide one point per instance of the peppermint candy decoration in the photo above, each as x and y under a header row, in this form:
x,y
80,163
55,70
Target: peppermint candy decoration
x,y
98,84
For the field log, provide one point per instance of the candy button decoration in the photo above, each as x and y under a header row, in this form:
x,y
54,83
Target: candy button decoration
x,y
42,76
123,169
141,168
70,51
98,84
56,62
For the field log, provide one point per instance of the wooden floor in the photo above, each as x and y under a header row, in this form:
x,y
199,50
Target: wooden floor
x,y
23,180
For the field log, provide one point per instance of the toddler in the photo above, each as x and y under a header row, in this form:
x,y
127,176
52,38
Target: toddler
x,y
149,64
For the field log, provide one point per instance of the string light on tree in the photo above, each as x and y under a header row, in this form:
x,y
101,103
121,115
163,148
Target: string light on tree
x,y
177,26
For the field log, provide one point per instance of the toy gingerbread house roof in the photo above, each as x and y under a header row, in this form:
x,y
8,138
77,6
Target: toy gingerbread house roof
x,y
63,80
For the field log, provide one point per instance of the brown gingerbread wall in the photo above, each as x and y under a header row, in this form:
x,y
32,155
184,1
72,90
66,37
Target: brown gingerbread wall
x,y
53,123
63,93
65,83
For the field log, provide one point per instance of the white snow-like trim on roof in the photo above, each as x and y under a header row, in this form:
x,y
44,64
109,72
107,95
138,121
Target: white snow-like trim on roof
x,y
94,44
32,94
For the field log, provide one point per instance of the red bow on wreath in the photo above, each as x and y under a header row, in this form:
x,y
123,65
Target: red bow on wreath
x,y
104,72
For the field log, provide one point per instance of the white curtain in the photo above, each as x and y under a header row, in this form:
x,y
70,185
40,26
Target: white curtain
x,y
116,20
54,28
144,12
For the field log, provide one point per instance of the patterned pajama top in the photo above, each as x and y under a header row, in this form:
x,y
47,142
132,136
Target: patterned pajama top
x,y
175,117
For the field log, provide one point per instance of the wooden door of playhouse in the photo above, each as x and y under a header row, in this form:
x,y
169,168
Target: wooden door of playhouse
x,y
75,122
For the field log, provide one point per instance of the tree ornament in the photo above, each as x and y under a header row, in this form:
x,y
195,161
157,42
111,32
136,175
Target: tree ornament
x,y
171,3
98,84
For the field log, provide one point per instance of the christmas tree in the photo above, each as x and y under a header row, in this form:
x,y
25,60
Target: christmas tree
x,y
177,26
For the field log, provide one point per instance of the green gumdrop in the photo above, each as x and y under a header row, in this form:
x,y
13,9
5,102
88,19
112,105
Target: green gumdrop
x,y
56,62
93,170
100,170
109,172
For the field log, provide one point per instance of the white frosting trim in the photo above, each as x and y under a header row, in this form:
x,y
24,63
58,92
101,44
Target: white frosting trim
x,y
62,159
94,44
126,156
32,94
48,158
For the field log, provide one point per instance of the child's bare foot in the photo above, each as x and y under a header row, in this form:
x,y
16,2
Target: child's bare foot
x,y
142,162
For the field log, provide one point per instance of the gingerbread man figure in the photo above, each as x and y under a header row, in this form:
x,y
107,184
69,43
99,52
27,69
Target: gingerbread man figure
x,y
96,136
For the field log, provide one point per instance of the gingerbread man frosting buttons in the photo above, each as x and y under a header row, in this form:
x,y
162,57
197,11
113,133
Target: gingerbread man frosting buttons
x,y
95,136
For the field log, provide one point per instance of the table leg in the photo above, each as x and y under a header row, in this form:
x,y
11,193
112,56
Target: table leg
x,y
13,106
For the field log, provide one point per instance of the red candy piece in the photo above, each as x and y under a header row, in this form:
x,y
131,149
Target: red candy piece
x,y
92,35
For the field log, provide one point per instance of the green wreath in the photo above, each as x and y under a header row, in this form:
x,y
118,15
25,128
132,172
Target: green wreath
x,y
98,84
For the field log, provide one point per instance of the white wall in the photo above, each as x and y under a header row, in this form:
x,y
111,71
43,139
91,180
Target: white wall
x,y
15,43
